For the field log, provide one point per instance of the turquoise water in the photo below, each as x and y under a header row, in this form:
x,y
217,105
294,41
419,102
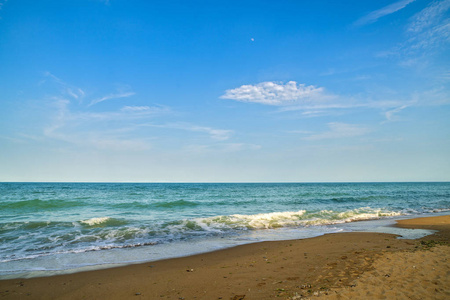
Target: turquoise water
x,y
52,227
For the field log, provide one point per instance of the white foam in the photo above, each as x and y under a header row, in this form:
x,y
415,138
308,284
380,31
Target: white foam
x,y
289,219
95,221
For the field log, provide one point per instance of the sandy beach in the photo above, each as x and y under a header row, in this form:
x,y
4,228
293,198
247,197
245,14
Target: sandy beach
x,y
333,266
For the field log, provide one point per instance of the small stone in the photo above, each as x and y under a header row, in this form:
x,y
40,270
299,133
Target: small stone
x,y
305,286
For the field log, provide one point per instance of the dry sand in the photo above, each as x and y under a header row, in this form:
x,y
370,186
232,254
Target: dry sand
x,y
335,266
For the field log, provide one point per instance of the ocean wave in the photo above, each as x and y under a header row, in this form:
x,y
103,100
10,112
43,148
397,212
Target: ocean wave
x,y
73,251
105,233
437,210
160,204
257,221
103,222
358,199
178,203
38,204
273,220
32,225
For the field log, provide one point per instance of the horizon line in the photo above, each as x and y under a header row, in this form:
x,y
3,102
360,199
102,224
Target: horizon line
x,y
231,182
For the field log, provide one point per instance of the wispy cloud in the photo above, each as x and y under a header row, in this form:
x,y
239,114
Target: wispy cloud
x,y
112,96
217,134
65,88
339,130
2,2
52,76
221,147
429,16
75,93
87,129
433,37
426,34
387,10
340,104
391,114
311,101
135,108
72,122
429,28
100,140
444,75
214,133
273,93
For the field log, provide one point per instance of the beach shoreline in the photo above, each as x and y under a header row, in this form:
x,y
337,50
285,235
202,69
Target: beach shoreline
x,y
293,269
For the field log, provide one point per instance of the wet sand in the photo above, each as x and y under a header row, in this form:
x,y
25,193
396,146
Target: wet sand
x,y
334,266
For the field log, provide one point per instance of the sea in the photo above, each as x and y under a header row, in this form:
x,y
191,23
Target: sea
x,y
57,228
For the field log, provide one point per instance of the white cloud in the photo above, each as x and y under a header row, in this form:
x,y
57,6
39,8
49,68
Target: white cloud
x,y
428,30
431,37
112,96
314,113
76,93
390,114
216,134
387,10
55,78
135,108
429,16
341,104
272,93
66,89
73,123
339,130
121,115
110,130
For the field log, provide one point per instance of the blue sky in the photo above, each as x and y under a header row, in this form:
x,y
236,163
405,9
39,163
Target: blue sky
x,y
224,91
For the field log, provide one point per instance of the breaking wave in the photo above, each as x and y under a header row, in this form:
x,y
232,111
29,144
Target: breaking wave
x,y
103,222
273,220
